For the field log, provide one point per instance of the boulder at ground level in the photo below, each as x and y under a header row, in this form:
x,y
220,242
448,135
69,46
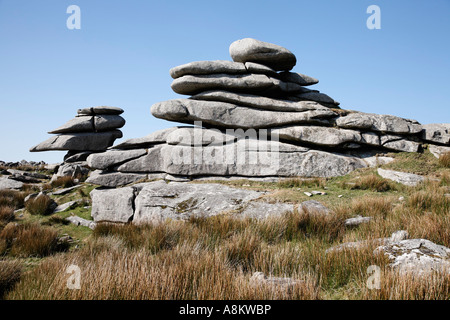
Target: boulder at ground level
x,y
10,184
408,179
113,205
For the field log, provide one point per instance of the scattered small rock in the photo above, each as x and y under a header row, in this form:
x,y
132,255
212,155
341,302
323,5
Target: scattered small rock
x,y
65,206
351,222
260,278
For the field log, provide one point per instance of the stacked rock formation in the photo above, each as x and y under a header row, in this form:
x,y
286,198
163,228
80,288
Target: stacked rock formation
x,y
92,130
255,118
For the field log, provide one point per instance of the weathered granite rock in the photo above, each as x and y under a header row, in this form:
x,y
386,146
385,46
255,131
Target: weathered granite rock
x,y
23,178
76,156
438,151
64,190
394,238
191,136
32,174
82,222
258,278
99,110
249,100
352,222
314,96
78,124
257,163
436,132
66,206
150,140
398,143
253,67
248,83
152,162
298,78
10,184
322,136
114,179
221,114
79,141
408,179
419,256
110,158
113,205
271,55
208,67
399,235
73,169
378,122
231,160
108,122
176,200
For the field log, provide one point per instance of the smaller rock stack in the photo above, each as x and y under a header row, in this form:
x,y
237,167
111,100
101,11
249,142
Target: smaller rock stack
x,y
92,130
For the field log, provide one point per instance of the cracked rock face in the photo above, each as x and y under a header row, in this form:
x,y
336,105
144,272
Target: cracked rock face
x,y
408,179
417,255
154,202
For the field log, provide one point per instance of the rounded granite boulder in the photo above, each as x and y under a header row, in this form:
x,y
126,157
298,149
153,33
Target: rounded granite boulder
x,y
268,54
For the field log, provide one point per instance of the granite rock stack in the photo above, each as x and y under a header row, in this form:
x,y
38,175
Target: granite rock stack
x,y
92,130
254,118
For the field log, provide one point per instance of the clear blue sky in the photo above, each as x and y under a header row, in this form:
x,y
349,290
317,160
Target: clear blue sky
x,y
122,54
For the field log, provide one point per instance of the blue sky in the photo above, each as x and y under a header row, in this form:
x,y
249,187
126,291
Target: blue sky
x,y
122,54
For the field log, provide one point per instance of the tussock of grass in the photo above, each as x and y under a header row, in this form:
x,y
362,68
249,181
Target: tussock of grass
x,y
302,182
444,160
12,198
41,204
10,272
371,182
373,206
6,214
429,201
31,240
63,182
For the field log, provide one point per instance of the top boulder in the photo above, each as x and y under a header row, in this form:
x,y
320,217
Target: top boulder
x,y
99,110
268,54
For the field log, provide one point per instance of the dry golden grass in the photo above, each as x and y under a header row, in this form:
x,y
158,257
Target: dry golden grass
x,y
444,160
63,182
6,214
41,204
10,272
12,198
302,182
31,240
371,182
410,286
112,271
